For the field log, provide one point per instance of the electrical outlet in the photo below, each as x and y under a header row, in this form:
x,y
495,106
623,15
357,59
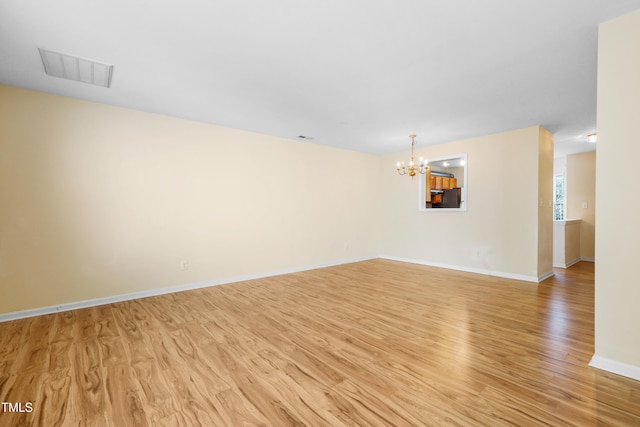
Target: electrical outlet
x,y
184,265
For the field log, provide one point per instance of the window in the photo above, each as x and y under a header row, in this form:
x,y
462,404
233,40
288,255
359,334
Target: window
x,y
559,198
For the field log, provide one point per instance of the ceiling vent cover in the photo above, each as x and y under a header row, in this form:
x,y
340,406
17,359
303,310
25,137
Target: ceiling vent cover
x,y
74,68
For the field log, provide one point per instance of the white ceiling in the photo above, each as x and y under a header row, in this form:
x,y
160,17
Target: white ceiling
x,y
358,74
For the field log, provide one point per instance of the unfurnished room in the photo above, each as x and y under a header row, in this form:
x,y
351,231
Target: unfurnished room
x,y
408,213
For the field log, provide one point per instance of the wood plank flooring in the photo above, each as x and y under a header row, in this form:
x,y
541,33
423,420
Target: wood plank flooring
x,y
375,343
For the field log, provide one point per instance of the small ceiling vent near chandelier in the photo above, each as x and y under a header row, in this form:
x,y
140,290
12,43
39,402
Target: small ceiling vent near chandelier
x,y
412,168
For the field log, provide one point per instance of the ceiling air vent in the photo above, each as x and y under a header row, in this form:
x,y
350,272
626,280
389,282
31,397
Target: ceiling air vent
x,y
74,68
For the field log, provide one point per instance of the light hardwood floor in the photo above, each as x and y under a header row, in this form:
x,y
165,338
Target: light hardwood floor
x,y
375,343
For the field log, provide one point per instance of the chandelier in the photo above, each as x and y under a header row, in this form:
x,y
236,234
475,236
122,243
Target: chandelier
x,y
412,168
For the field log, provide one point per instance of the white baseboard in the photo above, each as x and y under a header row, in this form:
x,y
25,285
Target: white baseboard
x,y
545,276
572,262
575,261
618,368
568,264
522,277
161,291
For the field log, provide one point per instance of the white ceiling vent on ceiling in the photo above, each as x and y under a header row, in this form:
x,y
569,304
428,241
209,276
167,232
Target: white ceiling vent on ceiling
x,y
74,68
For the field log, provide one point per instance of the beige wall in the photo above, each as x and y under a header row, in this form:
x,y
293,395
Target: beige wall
x,y
545,203
581,189
499,231
566,243
617,317
97,201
